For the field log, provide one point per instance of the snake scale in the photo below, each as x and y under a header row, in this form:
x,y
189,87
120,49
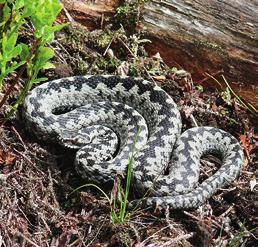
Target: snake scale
x,y
100,116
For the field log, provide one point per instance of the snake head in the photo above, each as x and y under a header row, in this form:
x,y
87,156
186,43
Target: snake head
x,y
74,139
91,135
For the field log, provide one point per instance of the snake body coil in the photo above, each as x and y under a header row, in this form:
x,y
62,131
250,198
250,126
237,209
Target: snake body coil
x,y
101,116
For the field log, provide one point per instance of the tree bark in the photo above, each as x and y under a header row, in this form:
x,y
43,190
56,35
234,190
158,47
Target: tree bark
x,y
206,35
89,13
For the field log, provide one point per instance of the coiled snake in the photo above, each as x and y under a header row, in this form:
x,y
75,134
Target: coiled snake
x,y
101,115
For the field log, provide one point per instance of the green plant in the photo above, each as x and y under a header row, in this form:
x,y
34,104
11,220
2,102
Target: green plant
x,y
247,106
229,92
238,238
226,96
15,16
104,40
174,70
199,88
118,201
136,42
128,13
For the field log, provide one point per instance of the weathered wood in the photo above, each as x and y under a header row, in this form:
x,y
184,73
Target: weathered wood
x,y
207,34
89,13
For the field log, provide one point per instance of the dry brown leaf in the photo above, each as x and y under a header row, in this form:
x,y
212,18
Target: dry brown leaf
x,y
6,158
214,107
97,245
123,68
244,140
159,77
188,111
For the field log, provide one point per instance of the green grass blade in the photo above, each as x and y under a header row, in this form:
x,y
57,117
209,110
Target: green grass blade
x,y
129,177
251,109
95,186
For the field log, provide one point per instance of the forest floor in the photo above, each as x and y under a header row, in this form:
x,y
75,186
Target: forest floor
x,y
36,178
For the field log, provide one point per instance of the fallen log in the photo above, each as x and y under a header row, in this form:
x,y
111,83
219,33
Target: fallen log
x,y
207,36
199,35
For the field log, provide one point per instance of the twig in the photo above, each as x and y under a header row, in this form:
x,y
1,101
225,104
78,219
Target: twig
x,y
194,121
109,45
251,106
136,233
238,98
202,170
19,137
167,219
177,239
192,216
27,159
44,222
4,177
209,76
89,244
57,53
63,48
227,211
198,219
25,216
75,242
69,17
151,236
27,239
51,189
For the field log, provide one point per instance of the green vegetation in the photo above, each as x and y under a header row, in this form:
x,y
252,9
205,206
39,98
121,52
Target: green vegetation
x,y
208,45
199,88
237,239
229,92
105,39
119,198
247,106
128,13
17,57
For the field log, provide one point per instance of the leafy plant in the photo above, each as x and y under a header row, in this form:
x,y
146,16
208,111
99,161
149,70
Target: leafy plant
x,y
118,201
199,88
128,13
136,42
105,39
19,57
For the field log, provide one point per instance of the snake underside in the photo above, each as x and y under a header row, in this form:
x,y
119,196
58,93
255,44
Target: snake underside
x,y
101,116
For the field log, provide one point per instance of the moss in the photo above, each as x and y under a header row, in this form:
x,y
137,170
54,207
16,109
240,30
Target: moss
x,y
105,39
128,13
208,45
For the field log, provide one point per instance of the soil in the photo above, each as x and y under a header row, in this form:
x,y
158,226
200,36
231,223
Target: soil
x,y
37,207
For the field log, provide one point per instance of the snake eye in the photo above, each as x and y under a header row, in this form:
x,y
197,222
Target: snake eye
x,y
75,139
